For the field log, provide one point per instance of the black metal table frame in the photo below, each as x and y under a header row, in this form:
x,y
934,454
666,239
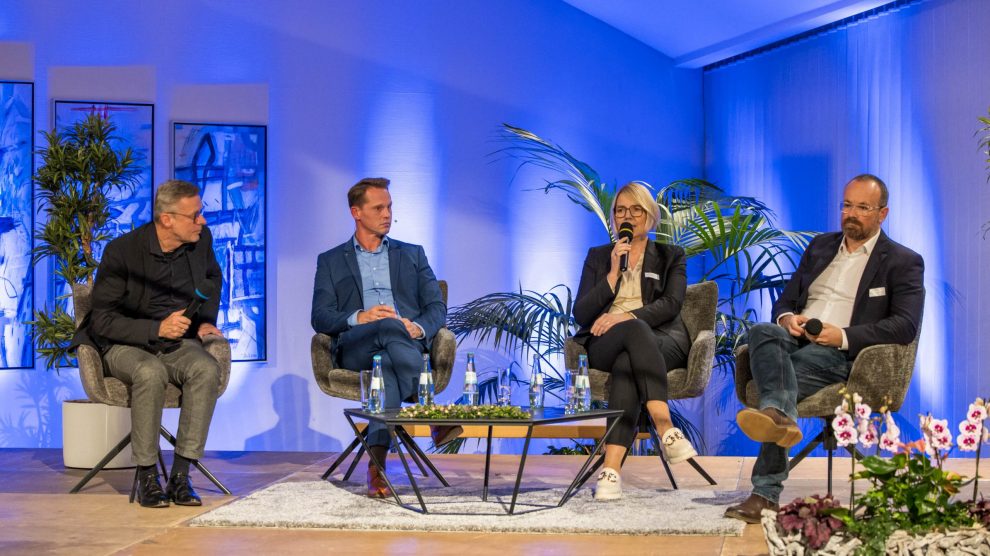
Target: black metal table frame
x,y
400,437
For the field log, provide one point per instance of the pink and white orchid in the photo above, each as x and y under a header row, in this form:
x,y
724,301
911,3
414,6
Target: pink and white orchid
x,y
889,443
969,427
846,435
977,412
843,421
863,411
968,442
868,437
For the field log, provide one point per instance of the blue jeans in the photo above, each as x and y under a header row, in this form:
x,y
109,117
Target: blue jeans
x,y
786,370
402,358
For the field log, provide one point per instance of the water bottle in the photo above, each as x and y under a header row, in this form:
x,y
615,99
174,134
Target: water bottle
x,y
582,386
376,402
426,382
470,396
536,385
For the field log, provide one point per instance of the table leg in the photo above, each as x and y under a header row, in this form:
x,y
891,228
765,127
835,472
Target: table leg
x,y
340,459
374,459
422,455
488,464
583,475
412,448
412,479
522,465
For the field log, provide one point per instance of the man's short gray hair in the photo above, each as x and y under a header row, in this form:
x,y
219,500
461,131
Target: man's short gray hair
x,y
170,193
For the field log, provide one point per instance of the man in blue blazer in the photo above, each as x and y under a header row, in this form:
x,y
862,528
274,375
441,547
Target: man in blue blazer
x,y
378,296
865,290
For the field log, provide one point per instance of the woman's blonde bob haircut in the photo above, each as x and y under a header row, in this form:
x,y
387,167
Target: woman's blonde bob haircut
x,y
643,197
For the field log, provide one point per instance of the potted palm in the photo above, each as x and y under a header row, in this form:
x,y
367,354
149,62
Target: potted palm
x,y
734,240
79,175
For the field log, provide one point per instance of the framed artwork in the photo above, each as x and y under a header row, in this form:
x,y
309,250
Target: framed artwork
x,y
135,128
228,162
16,224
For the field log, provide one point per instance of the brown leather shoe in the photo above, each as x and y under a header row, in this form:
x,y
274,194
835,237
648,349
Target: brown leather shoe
x,y
443,434
377,487
750,510
769,425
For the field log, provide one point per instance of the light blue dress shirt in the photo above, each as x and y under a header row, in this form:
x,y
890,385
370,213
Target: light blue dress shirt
x,y
376,281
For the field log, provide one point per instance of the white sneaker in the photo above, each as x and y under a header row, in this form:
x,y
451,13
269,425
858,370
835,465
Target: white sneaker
x,y
675,446
609,485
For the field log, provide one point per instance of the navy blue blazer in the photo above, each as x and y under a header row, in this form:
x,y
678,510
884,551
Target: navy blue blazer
x,y
338,291
890,298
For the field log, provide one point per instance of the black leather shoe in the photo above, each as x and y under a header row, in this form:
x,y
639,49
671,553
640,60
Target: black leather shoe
x,y
751,510
150,493
180,491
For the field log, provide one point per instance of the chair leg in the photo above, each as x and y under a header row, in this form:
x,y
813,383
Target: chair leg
x,y
103,462
656,446
202,468
134,485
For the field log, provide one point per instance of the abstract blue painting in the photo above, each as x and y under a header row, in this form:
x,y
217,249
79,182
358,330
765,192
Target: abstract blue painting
x,y
128,208
16,224
228,163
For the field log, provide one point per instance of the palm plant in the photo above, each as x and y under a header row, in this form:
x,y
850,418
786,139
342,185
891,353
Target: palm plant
x,y
734,238
80,171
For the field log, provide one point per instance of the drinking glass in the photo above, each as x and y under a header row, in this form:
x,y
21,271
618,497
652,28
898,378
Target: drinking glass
x,y
570,399
365,389
504,386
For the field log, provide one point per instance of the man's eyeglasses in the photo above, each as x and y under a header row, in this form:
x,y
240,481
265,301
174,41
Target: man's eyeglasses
x,y
194,216
861,210
635,211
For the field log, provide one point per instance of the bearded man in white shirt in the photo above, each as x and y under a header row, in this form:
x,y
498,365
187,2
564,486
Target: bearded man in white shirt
x,y
865,290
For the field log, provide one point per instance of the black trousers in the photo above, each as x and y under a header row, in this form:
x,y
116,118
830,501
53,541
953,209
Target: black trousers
x,y
638,360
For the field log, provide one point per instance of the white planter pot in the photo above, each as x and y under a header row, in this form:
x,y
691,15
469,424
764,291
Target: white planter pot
x,y
90,430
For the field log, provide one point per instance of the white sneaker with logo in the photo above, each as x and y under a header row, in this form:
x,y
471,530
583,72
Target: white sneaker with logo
x,y
609,485
675,447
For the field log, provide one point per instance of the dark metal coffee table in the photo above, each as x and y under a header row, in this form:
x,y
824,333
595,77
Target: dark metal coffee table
x,y
400,437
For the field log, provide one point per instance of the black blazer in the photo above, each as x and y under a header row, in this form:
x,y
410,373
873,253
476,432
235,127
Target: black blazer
x,y
663,296
889,300
120,299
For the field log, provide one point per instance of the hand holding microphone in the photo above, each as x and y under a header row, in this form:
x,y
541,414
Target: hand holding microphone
x,y
176,324
625,233
813,327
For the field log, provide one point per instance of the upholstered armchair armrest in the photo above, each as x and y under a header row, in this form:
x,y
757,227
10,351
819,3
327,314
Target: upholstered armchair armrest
x,y
319,350
699,365
219,348
91,374
883,370
442,354
743,374
572,350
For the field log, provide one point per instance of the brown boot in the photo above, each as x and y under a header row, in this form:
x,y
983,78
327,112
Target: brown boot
x,y
769,425
377,487
751,509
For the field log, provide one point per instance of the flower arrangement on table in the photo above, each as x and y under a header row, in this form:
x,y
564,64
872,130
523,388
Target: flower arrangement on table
x,y
910,493
463,412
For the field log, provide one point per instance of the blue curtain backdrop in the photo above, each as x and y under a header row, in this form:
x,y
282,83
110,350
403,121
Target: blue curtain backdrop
x,y
898,95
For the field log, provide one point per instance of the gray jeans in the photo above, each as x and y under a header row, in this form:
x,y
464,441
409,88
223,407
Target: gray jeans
x,y
190,368
786,371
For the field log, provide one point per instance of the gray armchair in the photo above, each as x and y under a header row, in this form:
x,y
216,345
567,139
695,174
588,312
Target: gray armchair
x,y
880,373
110,391
344,383
698,314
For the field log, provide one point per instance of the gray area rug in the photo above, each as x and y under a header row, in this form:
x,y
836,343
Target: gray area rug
x,y
320,504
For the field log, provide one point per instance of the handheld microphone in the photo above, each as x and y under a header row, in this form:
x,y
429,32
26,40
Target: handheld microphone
x,y
813,327
203,294
625,232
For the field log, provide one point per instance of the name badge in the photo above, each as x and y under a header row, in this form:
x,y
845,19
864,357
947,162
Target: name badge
x,y
878,292
653,275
